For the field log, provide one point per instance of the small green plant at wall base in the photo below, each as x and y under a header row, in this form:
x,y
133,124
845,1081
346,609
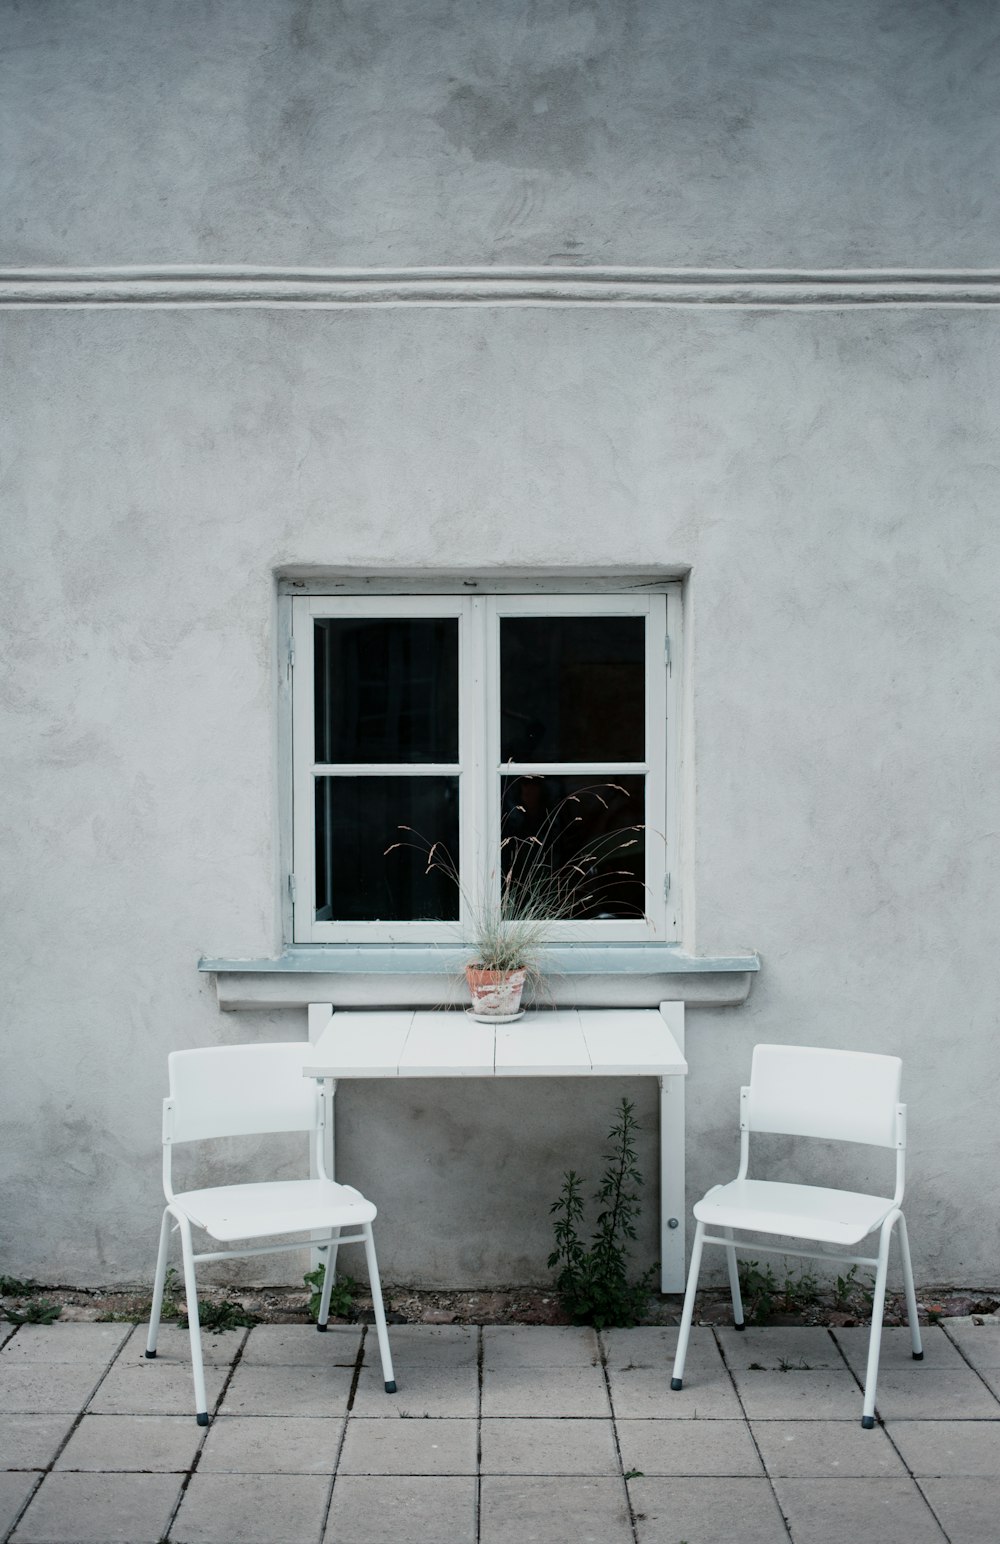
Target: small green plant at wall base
x,y
593,1283
12,1286
342,1294
221,1316
40,1311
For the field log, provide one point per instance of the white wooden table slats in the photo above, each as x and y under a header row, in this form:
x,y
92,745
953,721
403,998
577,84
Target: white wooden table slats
x,y
560,1042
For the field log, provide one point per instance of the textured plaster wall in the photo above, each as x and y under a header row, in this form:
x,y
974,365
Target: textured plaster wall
x,y
830,477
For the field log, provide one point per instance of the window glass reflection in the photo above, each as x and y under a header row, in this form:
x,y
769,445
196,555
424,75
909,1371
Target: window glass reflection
x,y
579,839
386,689
357,820
572,688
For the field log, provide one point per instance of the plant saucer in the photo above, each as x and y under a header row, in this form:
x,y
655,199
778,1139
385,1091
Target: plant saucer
x,y
494,1018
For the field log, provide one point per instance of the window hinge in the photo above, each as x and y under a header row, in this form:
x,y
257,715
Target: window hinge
x,y
666,653
291,653
666,885
291,888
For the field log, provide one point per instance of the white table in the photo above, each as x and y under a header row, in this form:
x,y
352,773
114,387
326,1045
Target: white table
x,y
553,1043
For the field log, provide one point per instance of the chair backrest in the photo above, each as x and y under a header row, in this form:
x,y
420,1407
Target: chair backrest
x,y
807,1091
239,1090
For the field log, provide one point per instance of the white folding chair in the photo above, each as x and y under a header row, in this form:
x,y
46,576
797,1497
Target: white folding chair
x,y
249,1090
845,1096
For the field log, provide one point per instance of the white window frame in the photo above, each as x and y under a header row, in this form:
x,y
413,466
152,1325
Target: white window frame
x,y
478,767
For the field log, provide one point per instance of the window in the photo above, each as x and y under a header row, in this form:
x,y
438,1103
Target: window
x,y
456,719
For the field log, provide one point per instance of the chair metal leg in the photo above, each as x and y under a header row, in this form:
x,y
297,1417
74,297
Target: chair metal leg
x,y
194,1326
878,1311
734,1285
380,1325
911,1297
329,1271
159,1280
677,1379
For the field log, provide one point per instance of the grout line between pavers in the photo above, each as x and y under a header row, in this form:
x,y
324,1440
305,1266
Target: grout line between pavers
x,y
358,1364
480,1359
68,1437
603,1355
193,1465
749,1427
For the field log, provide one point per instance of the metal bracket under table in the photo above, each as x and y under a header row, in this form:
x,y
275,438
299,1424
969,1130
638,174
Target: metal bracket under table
x,y
545,1043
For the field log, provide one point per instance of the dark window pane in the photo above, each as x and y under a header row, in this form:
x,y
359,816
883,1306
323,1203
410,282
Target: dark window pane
x,y
579,840
357,819
386,689
572,688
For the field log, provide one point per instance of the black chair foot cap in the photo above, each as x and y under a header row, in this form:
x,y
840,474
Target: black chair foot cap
x,y
677,1383
740,1326
150,1354
868,1421
390,1388
918,1356
321,1328
202,1417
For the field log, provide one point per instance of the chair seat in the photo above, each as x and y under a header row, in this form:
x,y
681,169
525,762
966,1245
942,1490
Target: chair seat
x,y
231,1212
796,1211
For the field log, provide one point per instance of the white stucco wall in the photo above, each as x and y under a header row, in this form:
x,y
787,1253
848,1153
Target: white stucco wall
x,y
829,477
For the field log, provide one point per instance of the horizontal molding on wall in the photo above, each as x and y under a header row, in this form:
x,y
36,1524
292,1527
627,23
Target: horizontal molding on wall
x,y
566,286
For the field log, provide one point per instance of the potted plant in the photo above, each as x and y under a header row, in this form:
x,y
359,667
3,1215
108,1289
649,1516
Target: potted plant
x,y
544,875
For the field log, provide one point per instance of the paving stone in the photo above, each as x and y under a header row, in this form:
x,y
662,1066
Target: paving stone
x,y
265,1444
639,1393
6,1331
648,1346
979,1342
544,1446
896,1352
154,1388
422,1389
830,1395
886,1511
948,1448
688,1447
527,1345
46,1388
802,1449
410,1510
933,1393
14,1492
109,1443
218,1347
552,1391
297,1391
553,1511
967,1509
100,1509
706,1511
53,1343
442,1345
408,1447
806,1348
300,1345
32,1441
253,1509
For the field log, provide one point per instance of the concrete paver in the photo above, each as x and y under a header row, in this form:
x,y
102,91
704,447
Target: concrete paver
x,y
948,1448
218,1347
823,1449
541,1446
967,1509
266,1444
48,1343
408,1510
32,1441
688,1448
253,1509
409,1447
100,1509
896,1353
553,1511
109,1444
706,1511
978,1341
830,1511
533,1433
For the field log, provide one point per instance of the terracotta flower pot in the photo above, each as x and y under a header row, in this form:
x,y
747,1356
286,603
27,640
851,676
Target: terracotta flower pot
x,y
495,993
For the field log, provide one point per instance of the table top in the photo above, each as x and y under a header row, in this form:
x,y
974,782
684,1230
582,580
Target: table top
x,y
560,1042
